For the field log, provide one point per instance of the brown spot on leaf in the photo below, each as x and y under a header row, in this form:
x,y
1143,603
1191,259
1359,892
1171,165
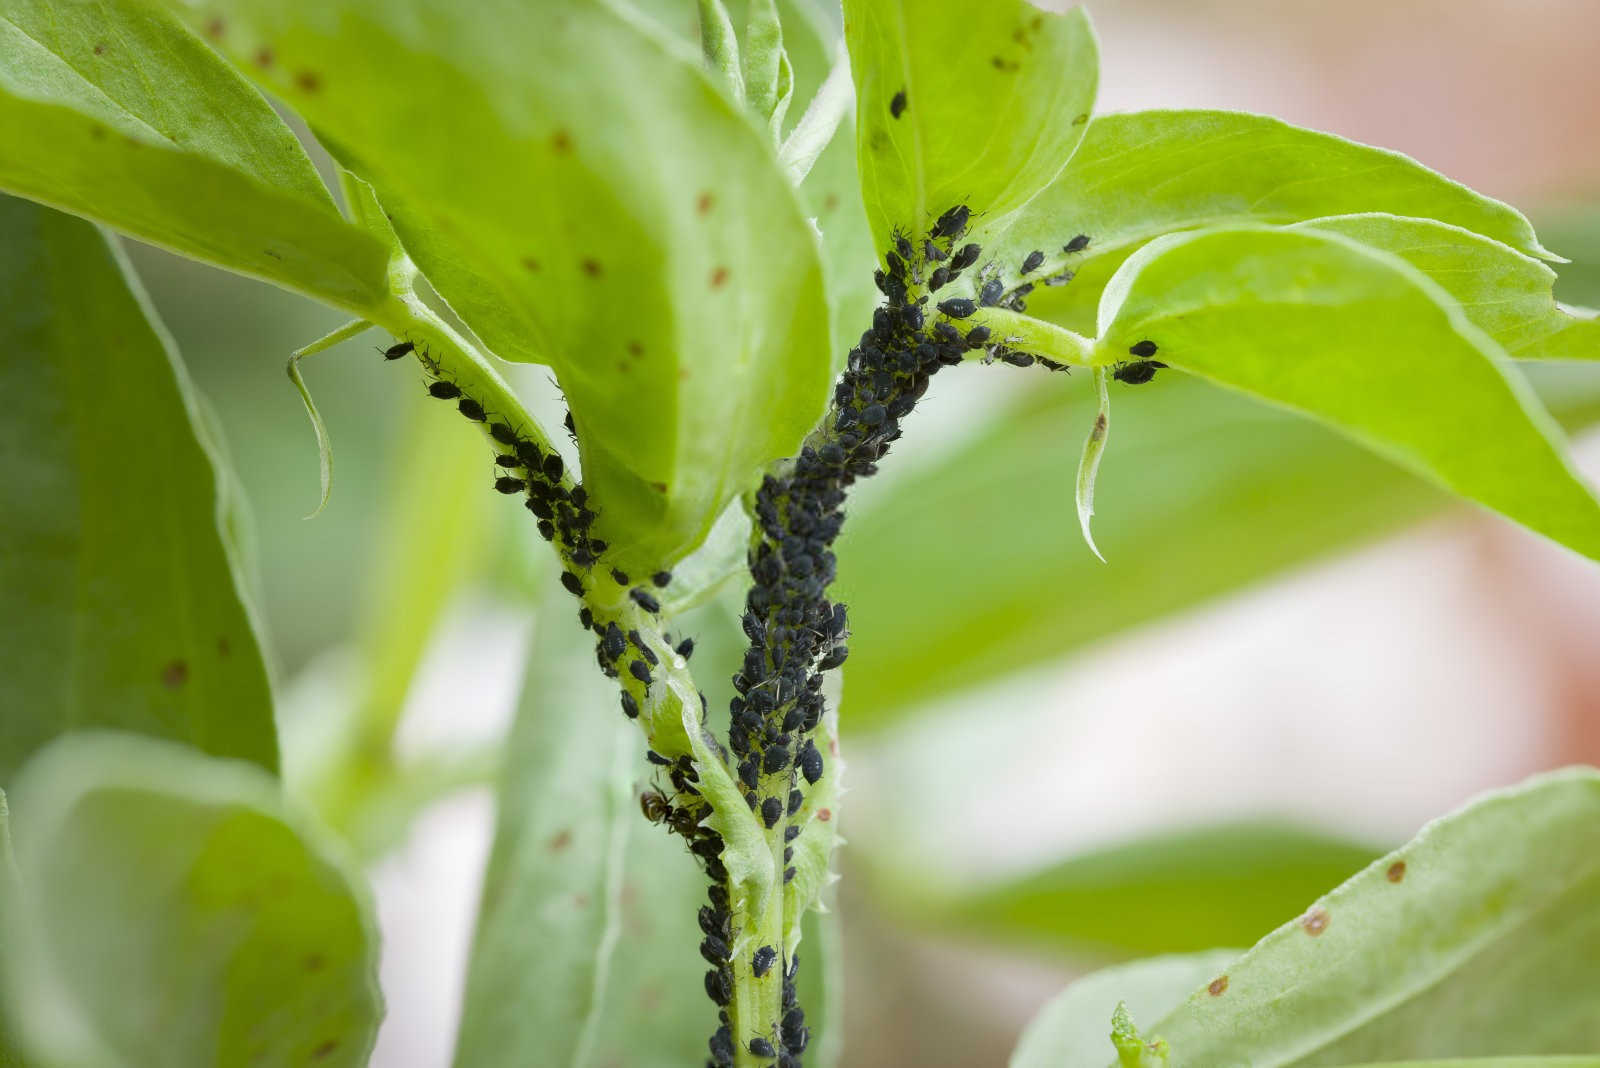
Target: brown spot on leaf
x,y
530,264
264,56
224,647
624,366
561,142
308,81
592,268
830,202
1397,871
704,203
560,841
580,901
100,48
215,28
97,132
325,1049
635,349
659,487
175,674
315,962
824,814
1100,425
1080,118
1218,985
1315,921
718,277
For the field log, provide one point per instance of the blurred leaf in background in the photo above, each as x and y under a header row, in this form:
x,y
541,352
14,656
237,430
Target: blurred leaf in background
x,y
171,911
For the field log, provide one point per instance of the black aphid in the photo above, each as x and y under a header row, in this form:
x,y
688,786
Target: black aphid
x,y
1143,349
444,390
640,671
762,960
644,599
471,409
573,583
507,484
811,762
957,307
395,352
1077,244
1032,262
897,104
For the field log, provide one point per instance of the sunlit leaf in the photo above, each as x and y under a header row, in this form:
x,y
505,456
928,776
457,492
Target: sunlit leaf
x,y
1358,339
115,111
976,104
1502,292
1139,175
584,195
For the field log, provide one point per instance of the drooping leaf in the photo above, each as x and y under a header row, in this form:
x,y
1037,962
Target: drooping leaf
x,y
584,951
1073,1028
115,111
976,104
170,911
1175,892
1139,175
1481,937
122,606
577,187
1504,293
1359,339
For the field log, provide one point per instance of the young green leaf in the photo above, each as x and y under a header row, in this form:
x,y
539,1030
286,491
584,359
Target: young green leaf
x,y
584,952
1477,938
1359,339
1137,176
113,110
976,104
122,603
170,911
623,221
1502,292
1071,1029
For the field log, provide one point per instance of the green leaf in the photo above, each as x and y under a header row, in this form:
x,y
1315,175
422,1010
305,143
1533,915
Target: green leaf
x,y
584,952
113,110
992,99
1140,175
122,601
622,222
1071,1029
1480,937
1355,337
1174,892
10,1045
170,911
1502,292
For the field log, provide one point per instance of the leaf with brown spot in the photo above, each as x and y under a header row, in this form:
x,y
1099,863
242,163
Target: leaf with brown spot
x,y
1493,947
202,166
142,534
423,85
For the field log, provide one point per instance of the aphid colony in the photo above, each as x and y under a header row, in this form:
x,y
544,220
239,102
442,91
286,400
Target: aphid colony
x,y
795,633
